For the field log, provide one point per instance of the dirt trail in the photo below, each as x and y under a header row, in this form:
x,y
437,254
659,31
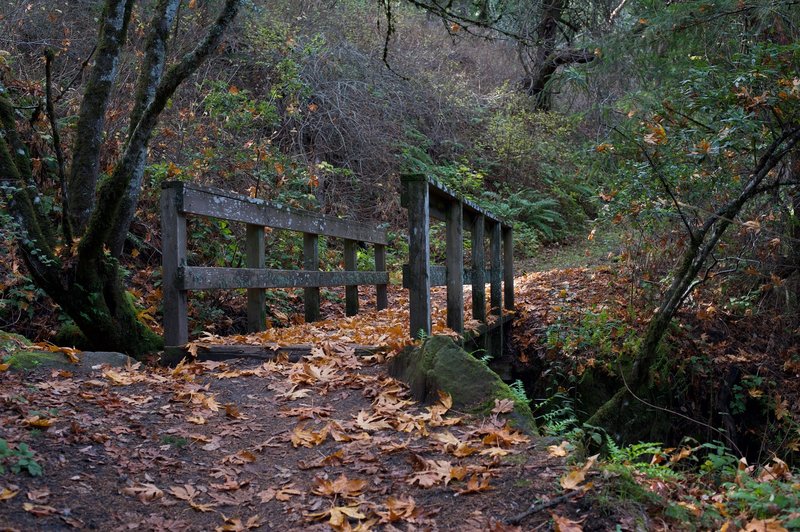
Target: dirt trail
x,y
327,442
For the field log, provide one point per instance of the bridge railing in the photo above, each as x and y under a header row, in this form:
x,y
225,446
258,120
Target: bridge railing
x,y
179,199
426,198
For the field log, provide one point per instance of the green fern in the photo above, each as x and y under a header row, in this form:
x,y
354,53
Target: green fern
x,y
518,392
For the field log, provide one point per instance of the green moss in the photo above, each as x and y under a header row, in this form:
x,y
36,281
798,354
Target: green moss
x,y
439,364
28,360
70,335
620,495
10,342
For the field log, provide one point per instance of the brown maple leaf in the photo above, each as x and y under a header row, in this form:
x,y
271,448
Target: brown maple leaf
x,y
343,486
475,486
145,492
308,438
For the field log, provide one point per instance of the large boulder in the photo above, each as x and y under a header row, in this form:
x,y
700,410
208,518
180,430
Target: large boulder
x,y
440,364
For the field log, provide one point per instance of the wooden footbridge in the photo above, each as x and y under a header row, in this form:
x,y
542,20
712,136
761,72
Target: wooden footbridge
x,y
422,196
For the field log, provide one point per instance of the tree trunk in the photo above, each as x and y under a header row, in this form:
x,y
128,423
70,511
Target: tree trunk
x,y
703,242
149,76
89,286
91,118
548,57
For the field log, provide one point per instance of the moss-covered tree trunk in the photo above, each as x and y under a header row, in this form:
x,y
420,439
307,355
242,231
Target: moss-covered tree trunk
x,y
83,276
703,240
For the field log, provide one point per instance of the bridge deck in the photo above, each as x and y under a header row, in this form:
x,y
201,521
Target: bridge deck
x,y
369,333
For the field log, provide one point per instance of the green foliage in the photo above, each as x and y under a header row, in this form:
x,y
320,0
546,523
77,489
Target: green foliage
x,y
18,458
175,441
605,336
540,216
519,393
555,416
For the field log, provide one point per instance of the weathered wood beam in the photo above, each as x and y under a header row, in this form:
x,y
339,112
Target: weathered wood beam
x,y
256,297
351,264
293,353
206,201
439,276
441,196
419,280
311,263
478,269
202,278
173,256
380,266
455,267
508,268
496,289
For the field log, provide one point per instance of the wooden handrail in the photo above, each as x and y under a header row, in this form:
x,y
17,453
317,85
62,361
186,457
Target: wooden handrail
x,y
426,198
179,199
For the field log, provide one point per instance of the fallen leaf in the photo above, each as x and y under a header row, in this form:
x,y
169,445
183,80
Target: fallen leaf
x,y
558,450
339,515
287,492
8,493
145,492
186,492
764,525
475,486
341,486
398,509
39,510
308,438
503,406
562,524
371,423
232,411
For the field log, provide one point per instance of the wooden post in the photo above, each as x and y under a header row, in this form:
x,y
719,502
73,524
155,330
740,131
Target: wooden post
x,y
380,266
496,290
256,297
173,256
455,267
478,269
351,291
419,281
508,267
311,263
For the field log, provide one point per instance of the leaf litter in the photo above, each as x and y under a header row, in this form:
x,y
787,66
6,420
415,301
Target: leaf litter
x,y
329,442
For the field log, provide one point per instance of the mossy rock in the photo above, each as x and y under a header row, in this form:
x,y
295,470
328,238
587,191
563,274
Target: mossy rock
x,y
24,360
21,355
10,343
440,364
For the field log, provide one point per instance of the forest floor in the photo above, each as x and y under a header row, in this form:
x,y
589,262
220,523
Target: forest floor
x,y
329,441
332,441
